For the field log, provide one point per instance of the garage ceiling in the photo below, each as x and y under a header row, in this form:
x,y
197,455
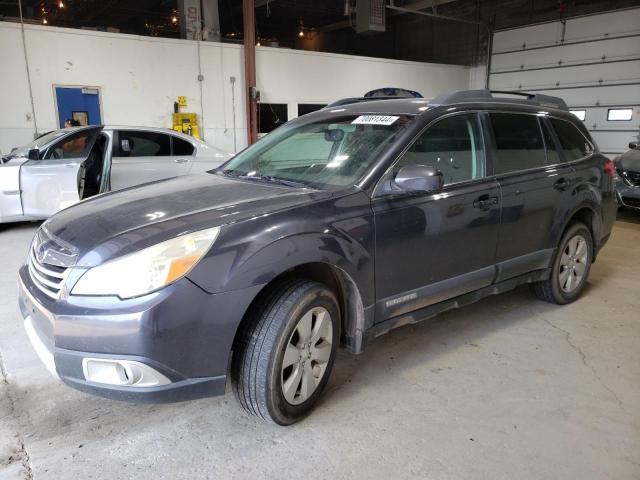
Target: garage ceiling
x,y
325,25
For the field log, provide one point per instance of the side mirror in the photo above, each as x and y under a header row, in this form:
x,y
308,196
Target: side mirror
x,y
634,145
34,154
419,178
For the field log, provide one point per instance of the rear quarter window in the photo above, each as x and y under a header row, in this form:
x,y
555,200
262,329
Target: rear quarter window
x,y
573,143
182,147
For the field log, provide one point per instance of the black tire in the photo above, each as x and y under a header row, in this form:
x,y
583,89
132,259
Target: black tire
x,y
256,366
550,290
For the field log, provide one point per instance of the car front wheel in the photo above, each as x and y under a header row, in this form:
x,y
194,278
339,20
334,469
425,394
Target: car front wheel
x,y
283,357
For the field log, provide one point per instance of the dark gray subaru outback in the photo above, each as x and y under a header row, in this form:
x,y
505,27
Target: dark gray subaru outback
x,y
330,231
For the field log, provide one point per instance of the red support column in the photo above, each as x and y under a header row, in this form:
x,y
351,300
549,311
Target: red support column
x,y
248,13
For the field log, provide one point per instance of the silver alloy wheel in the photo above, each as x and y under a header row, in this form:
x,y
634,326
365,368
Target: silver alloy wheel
x,y
306,355
573,263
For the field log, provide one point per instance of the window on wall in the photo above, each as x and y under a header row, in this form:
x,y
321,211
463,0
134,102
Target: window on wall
x,y
271,116
518,142
581,114
304,108
619,114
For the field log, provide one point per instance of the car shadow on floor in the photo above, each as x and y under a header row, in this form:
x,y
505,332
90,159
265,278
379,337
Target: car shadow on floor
x,y
422,343
17,226
628,216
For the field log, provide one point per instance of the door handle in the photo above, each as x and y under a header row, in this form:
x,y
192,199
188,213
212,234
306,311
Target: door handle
x,y
485,202
561,184
181,160
71,164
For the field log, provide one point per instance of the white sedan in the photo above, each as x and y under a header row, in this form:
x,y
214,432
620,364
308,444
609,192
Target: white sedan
x,y
65,166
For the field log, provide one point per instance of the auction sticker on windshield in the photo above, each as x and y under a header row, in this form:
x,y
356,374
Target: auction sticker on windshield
x,y
374,120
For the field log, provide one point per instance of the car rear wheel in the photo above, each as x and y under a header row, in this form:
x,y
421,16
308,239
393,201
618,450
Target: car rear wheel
x,y
283,357
570,268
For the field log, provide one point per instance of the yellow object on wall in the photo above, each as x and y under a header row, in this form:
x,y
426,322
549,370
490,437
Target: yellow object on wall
x,y
182,101
186,123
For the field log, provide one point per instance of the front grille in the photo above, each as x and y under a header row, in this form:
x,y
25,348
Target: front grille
x,y
631,202
633,177
46,277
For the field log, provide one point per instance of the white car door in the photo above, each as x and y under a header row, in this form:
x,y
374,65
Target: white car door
x,y
10,204
142,156
50,183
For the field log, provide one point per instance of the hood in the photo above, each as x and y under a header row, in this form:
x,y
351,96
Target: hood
x,y
629,161
121,222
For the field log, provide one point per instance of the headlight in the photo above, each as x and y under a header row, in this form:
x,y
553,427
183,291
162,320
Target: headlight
x,y
149,269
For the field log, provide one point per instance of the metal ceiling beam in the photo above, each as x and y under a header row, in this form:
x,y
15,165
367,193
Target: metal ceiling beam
x,y
410,8
434,15
456,19
262,3
422,4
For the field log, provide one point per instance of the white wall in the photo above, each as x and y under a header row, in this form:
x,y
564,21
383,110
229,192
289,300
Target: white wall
x,y
140,78
595,65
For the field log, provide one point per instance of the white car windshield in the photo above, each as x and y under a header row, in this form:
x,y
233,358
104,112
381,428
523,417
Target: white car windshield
x,y
45,139
328,155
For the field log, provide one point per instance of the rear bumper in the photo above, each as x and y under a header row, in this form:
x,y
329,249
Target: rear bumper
x,y
181,332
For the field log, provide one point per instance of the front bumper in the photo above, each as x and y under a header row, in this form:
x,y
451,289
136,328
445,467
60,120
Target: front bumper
x,y
627,196
182,332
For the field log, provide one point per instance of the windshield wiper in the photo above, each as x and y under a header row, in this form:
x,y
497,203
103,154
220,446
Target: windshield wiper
x,y
272,179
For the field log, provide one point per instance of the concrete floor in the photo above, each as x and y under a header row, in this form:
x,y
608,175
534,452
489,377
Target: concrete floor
x,y
510,388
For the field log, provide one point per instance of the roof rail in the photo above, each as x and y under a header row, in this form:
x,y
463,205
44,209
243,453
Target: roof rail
x,y
487,95
346,101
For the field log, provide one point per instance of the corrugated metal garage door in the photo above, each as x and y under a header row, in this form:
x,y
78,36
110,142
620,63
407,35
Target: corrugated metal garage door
x,y
592,62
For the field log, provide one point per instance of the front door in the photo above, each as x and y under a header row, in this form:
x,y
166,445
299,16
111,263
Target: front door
x,y
50,183
141,156
436,246
78,103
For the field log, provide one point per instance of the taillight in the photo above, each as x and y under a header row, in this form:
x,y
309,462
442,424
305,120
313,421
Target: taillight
x,y
610,168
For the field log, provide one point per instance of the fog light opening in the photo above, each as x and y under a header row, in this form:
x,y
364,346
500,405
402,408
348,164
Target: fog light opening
x,y
122,373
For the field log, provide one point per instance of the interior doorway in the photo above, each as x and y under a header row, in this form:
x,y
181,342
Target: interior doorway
x,y
79,103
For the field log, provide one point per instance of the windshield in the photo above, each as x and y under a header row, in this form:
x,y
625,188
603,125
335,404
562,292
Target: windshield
x,y
37,143
328,155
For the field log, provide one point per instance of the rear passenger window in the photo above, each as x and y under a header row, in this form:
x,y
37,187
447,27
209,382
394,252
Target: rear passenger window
x,y
573,142
143,144
182,147
453,146
518,142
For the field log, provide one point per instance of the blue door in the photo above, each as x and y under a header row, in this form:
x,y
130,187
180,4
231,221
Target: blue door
x,y
81,103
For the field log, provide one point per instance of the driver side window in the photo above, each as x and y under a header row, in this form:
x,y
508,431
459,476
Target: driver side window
x,y
75,146
453,146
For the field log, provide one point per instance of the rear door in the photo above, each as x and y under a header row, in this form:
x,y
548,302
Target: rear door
x,y
536,188
50,183
141,156
432,247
